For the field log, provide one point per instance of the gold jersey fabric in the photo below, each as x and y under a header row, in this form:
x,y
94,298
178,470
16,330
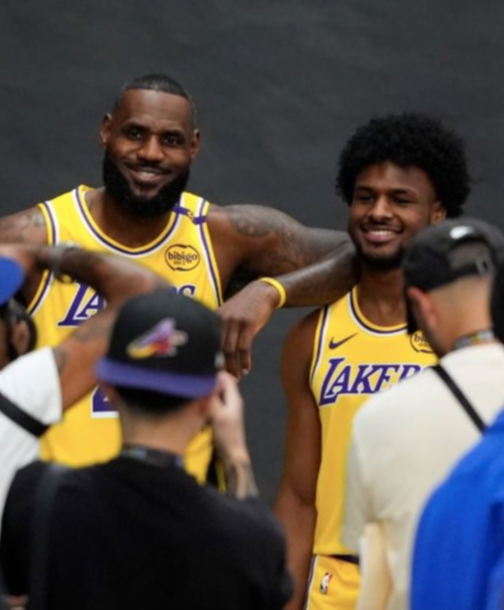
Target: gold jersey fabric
x,y
182,254
353,359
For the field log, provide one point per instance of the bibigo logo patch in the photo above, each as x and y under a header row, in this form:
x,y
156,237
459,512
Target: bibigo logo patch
x,y
419,343
182,258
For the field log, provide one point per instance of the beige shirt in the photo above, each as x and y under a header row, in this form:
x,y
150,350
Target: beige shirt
x,y
405,441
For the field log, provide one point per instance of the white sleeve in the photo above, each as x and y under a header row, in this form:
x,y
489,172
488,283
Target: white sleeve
x,y
357,502
32,383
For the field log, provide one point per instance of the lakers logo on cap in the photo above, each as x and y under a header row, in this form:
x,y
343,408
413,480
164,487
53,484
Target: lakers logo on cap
x,y
419,343
182,258
161,341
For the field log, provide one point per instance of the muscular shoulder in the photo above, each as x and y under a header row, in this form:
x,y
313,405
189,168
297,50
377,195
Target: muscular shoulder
x,y
247,220
298,354
299,342
27,226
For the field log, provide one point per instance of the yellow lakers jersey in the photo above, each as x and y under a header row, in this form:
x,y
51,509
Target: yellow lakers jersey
x,y
182,254
353,359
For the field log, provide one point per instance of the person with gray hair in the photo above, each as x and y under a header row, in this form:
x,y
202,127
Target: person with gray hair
x,y
406,440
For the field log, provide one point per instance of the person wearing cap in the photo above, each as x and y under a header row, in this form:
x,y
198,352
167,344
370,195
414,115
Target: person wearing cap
x,y
406,440
458,559
138,531
36,388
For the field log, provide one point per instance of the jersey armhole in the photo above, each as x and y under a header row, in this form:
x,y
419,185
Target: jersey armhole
x,y
45,280
318,341
207,244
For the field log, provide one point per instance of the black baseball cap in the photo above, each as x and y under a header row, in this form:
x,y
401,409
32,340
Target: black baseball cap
x,y
12,277
427,263
166,343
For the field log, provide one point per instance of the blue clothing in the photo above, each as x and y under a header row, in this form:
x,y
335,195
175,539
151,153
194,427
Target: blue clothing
x,y
458,561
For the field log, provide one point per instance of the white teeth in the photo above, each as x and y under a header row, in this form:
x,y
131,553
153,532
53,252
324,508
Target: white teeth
x,y
381,232
146,174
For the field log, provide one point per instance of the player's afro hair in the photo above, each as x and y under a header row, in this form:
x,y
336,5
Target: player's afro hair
x,y
409,139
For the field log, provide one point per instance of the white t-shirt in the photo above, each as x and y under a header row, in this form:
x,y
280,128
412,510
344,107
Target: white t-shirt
x,y
32,383
404,443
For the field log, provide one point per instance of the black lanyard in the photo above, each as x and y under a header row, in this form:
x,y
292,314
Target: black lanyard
x,y
460,396
155,457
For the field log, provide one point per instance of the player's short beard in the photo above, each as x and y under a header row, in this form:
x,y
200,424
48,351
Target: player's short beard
x,y
118,188
380,263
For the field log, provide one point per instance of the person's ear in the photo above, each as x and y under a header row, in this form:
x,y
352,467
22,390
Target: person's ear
x,y
422,307
438,212
195,143
105,130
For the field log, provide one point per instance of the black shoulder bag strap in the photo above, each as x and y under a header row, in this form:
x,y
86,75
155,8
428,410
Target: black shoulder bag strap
x,y
21,418
44,500
460,396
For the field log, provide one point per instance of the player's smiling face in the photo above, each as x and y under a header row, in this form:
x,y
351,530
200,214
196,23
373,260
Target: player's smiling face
x,y
390,205
150,142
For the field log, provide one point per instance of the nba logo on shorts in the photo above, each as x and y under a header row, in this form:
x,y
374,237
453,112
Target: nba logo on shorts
x,y
324,585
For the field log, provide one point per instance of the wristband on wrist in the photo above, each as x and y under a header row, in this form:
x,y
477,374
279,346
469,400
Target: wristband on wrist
x,y
280,289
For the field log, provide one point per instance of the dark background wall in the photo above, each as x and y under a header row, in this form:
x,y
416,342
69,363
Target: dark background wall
x,y
279,85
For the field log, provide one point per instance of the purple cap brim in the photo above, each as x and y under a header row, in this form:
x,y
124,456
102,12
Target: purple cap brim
x,y
130,376
12,277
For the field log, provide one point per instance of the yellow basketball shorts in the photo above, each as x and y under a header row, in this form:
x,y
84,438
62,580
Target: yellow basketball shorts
x,y
333,584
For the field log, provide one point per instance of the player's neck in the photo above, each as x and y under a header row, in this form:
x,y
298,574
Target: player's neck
x,y
130,231
380,296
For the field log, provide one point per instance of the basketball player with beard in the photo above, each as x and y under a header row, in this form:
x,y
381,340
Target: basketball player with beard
x,y
398,174
143,211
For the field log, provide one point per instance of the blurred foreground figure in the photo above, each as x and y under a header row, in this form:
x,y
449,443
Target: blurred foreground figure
x,y
138,531
406,440
458,560
36,388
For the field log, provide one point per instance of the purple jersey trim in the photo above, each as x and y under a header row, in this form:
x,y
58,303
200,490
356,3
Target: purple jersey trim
x,y
196,220
325,315
213,276
112,246
133,376
376,331
33,307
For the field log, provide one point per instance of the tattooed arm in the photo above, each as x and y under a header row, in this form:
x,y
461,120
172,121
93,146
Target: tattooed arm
x,y
229,438
264,241
115,278
27,226
315,267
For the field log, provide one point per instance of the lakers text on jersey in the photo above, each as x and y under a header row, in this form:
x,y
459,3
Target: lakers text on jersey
x,y
353,359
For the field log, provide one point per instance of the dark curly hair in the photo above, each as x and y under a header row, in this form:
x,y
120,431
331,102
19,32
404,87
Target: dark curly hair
x,y
409,139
